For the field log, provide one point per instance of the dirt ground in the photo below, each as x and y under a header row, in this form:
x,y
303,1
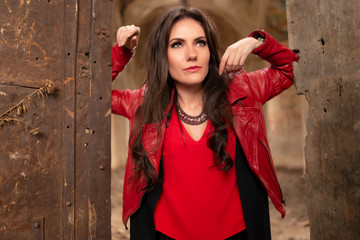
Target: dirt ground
x,y
295,226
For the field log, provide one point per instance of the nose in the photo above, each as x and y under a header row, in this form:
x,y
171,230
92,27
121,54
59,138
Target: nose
x,y
192,54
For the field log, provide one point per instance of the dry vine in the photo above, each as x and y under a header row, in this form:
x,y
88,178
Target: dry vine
x,y
9,116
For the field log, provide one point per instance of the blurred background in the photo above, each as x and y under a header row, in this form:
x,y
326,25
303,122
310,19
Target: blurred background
x,y
285,115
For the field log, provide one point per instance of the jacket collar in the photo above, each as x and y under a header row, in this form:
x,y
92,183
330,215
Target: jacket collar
x,y
237,89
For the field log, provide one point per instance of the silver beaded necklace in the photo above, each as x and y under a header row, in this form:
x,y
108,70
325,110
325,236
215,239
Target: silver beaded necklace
x,y
191,120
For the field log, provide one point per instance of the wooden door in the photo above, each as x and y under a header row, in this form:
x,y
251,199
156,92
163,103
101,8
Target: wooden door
x,y
55,147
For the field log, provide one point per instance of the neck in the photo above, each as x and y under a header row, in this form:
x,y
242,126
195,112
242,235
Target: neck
x,y
190,99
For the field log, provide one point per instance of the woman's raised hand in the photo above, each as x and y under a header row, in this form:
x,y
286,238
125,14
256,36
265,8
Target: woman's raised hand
x,y
236,54
128,36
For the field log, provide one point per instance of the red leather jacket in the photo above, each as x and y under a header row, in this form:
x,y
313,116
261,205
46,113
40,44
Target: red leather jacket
x,y
247,93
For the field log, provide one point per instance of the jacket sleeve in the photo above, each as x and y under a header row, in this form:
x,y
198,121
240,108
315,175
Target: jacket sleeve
x,y
271,81
120,56
123,102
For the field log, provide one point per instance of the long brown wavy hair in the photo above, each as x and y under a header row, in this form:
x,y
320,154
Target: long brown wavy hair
x,y
160,87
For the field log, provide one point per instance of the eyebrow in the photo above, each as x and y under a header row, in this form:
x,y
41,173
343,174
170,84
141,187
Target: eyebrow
x,y
182,40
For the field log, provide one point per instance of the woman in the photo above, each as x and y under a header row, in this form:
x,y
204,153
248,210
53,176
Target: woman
x,y
199,165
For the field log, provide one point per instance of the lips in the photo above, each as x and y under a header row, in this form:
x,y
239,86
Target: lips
x,y
193,69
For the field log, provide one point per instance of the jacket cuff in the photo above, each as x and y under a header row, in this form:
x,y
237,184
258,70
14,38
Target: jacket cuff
x,y
258,34
120,56
271,50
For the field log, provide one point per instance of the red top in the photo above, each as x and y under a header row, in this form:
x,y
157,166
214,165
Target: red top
x,y
198,201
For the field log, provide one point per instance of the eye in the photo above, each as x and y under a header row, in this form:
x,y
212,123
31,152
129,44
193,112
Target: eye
x,y
201,43
176,45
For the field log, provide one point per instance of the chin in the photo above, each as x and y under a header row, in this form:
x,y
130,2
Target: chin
x,y
192,82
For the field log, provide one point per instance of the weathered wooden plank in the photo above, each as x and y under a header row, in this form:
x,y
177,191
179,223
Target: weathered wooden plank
x,y
92,168
69,118
83,79
99,112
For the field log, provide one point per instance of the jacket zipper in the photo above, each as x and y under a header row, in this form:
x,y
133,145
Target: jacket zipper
x,y
272,172
272,167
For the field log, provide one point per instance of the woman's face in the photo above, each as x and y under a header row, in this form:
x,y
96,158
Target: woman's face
x,y
188,53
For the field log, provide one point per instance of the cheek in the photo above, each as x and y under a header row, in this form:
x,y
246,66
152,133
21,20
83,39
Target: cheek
x,y
206,55
170,63
173,64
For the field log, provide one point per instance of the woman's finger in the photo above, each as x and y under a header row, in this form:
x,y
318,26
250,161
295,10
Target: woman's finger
x,y
121,35
125,37
230,62
223,62
242,60
133,42
237,61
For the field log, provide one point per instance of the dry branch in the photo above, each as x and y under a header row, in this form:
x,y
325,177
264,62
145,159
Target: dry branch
x,y
8,117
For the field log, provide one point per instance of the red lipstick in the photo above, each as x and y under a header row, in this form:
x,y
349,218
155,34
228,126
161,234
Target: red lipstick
x,y
193,69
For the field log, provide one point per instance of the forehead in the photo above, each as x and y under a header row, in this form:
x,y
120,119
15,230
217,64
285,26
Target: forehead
x,y
187,28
